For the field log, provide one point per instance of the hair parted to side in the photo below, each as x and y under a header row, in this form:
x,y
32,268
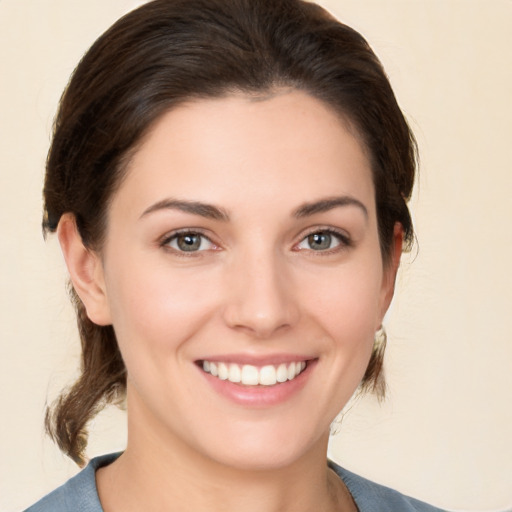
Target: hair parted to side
x,y
170,51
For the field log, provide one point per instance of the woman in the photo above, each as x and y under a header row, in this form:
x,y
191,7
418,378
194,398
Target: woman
x,y
228,181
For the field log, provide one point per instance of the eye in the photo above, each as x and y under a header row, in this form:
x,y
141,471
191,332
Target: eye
x,y
188,241
323,240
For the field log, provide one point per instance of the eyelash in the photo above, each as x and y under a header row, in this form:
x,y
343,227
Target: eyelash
x,y
343,239
169,238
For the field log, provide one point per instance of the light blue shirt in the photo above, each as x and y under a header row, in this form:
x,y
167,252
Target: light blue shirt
x,y
79,494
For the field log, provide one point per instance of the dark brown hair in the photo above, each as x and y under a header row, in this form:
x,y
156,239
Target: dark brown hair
x,y
169,51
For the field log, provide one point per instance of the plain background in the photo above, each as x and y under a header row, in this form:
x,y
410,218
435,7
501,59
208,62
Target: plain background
x,y
444,433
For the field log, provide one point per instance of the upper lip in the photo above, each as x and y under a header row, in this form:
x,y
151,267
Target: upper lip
x,y
257,360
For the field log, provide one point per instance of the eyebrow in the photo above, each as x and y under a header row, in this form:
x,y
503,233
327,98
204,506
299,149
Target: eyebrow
x,y
329,203
208,211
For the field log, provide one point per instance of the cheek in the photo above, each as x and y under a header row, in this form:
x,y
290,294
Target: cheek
x,y
156,309
347,306
349,300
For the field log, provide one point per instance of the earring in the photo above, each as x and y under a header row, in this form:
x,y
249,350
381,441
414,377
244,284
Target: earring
x,y
374,378
380,340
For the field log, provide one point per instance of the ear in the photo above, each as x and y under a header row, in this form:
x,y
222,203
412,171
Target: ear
x,y
391,269
85,269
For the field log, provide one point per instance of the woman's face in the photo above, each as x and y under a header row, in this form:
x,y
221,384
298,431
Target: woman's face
x,y
243,245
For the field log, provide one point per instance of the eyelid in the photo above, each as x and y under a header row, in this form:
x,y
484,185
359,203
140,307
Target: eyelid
x,y
165,240
343,237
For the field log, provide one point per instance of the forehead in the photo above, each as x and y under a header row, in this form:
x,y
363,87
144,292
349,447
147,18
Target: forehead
x,y
288,147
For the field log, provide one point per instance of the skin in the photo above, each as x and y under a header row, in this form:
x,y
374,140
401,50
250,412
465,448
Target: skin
x,y
256,288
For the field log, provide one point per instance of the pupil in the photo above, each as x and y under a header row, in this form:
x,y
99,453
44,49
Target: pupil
x,y
189,242
319,241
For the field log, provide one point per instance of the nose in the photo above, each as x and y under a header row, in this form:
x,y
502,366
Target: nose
x,y
261,297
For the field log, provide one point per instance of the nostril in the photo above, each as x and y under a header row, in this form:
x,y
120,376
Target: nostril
x,y
262,302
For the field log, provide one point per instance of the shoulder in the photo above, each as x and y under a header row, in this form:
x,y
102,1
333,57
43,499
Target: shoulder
x,y
372,497
78,494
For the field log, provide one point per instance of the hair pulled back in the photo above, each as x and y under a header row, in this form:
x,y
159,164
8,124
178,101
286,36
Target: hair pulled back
x,y
169,51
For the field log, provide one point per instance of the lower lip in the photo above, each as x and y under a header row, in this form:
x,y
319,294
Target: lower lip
x,y
260,396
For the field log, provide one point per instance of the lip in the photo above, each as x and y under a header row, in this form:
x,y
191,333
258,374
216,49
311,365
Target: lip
x,y
259,396
257,360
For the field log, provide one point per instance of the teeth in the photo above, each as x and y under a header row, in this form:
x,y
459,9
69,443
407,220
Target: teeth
x,y
235,374
223,371
250,375
291,371
282,373
267,376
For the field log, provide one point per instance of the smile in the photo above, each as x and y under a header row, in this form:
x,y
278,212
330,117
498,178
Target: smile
x,y
249,375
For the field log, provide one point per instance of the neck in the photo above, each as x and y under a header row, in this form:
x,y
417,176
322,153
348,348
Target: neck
x,y
156,473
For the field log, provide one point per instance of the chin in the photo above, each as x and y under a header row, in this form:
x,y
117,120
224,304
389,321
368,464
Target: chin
x,y
253,448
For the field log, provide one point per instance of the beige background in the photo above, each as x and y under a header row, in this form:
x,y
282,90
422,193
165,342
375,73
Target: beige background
x,y
445,432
